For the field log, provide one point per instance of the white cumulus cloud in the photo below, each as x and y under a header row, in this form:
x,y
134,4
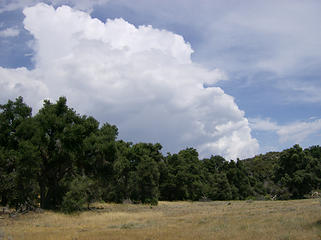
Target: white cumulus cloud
x,y
140,78
293,133
21,82
264,124
299,131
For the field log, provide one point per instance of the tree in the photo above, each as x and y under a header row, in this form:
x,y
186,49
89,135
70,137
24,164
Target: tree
x,y
27,169
144,175
62,133
184,178
147,180
217,185
239,180
313,166
65,161
7,175
220,188
291,172
12,115
120,189
99,156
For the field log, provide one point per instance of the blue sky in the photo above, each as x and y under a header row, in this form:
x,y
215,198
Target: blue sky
x,y
258,60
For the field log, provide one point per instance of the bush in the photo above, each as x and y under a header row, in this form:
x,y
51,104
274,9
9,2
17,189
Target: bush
x,y
81,192
73,202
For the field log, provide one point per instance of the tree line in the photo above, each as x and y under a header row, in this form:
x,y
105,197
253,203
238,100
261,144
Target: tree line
x,y
59,159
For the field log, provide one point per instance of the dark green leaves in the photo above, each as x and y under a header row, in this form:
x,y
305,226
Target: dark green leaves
x,y
59,159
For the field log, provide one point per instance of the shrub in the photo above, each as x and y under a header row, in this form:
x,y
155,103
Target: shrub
x,y
72,202
81,192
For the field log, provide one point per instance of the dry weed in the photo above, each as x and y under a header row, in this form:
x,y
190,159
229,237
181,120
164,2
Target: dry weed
x,y
241,220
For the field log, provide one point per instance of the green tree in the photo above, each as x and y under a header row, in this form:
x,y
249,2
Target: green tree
x,y
184,177
12,115
239,180
62,133
7,175
292,173
314,166
99,156
261,174
144,175
220,187
147,179
217,186
27,169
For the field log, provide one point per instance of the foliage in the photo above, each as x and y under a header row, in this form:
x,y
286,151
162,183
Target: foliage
x,y
183,178
61,160
81,191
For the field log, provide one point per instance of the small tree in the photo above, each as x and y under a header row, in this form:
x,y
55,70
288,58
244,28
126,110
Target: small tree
x,y
81,192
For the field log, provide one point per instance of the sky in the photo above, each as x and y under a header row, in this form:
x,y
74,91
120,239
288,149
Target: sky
x,y
230,78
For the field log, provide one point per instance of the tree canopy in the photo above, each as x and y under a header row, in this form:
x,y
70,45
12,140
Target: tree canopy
x,y
61,160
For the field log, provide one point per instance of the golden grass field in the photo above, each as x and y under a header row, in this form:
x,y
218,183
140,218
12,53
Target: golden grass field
x,y
283,220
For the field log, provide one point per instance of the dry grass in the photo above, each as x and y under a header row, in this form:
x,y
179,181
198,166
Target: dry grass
x,y
282,220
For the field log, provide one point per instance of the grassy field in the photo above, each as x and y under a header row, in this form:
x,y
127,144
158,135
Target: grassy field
x,y
283,220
